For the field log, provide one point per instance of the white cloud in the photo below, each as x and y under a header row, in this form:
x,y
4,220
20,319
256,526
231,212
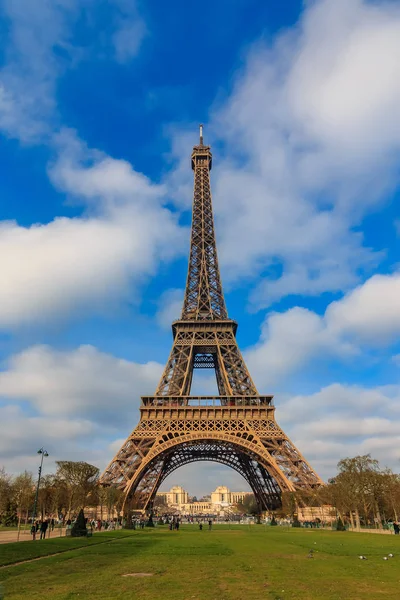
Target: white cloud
x,y
344,85
83,383
27,81
371,312
366,316
71,438
396,359
74,403
310,138
287,342
169,307
39,48
340,421
67,265
130,31
20,432
90,174
93,261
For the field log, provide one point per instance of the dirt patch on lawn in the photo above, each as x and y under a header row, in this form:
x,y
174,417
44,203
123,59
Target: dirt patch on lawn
x,y
138,575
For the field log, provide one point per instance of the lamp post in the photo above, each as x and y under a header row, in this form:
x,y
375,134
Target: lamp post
x,y
332,481
44,453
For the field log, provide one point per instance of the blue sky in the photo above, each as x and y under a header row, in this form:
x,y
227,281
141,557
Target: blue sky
x,y
99,110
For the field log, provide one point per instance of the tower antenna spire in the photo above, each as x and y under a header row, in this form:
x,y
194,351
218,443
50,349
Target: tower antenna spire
x,y
201,134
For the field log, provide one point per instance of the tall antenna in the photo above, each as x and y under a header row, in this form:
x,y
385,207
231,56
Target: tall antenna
x,y
201,135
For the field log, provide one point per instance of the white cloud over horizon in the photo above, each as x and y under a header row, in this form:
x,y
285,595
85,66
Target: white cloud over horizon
x,y
84,399
81,383
343,420
72,402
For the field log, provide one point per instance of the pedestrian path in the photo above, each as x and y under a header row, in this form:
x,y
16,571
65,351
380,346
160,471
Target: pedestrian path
x,y
6,537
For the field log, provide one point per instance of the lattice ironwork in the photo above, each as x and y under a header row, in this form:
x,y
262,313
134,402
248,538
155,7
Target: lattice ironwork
x,y
204,299
236,428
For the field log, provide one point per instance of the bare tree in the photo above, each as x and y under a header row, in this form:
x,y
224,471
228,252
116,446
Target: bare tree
x,y
248,505
80,479
23,490
6,496
160,502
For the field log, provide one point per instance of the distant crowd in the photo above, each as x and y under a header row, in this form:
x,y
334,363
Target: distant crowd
x,y
44,527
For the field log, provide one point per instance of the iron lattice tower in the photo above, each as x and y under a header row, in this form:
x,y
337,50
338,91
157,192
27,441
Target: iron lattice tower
x,y
236,428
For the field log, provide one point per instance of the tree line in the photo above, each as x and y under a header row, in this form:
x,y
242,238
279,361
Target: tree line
x,y
73,486
362,492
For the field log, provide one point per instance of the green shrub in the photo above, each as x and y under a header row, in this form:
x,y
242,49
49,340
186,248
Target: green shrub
x,y
296,522
150,522
79,527
339,525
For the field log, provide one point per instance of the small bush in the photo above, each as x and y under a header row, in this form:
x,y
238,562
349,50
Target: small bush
x,y
150,522
339,525
296,522
79,527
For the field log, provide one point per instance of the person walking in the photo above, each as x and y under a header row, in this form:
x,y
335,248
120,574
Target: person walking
x,y
33,531
52,523
210,525
43,529
396,528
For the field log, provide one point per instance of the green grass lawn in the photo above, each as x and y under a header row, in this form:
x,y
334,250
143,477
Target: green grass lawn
x,y
235,563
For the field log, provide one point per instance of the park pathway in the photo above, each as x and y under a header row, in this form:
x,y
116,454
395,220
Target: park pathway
x,y
7,537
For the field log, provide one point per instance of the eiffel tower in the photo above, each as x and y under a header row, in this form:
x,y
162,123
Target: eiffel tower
x,y
236,428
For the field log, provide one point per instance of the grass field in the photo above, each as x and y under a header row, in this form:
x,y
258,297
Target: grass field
x,y
236,563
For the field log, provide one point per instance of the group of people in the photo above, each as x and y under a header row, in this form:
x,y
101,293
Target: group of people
x,y
109,525
42,526
45,526
138,523
175,522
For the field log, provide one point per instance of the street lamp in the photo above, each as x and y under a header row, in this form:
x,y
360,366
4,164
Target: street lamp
x,y
44,453
332,481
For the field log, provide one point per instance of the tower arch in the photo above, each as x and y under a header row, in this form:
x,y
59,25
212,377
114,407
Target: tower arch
x,y
252,463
